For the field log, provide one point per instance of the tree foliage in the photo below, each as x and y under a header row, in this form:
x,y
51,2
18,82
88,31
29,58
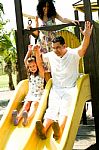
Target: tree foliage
x,y
7,47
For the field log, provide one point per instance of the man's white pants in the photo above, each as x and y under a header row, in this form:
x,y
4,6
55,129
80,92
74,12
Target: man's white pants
x,y
60,101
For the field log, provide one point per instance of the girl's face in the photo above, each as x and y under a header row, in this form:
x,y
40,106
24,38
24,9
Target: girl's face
x,y
32,67
45,9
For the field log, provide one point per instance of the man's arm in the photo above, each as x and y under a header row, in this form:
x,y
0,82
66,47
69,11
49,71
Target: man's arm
x,y
47,72
86,39
47,76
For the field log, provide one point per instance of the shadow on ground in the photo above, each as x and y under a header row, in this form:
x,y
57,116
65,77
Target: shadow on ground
x,y
92,147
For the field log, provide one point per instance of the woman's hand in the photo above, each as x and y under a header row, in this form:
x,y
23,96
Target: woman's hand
x,y
76,22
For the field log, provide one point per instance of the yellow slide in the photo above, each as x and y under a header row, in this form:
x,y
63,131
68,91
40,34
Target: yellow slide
x,y
25,138
14,137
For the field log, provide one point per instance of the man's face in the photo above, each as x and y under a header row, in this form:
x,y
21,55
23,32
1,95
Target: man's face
x,y
58,48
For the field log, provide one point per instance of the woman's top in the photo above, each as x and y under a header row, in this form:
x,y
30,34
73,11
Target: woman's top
x,y
45,39
46,36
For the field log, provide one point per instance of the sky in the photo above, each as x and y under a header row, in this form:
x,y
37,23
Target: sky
x,y
29,7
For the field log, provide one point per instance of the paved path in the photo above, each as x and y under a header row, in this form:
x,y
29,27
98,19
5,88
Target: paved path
x,y
5,95
86,136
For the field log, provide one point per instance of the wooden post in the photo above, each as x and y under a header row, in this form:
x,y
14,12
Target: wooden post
x,y
91,63
77,31
87,10
98,9
20,39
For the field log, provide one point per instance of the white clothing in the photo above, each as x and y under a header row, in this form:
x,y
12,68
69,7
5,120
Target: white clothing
x,y
65,72
60,102
36,87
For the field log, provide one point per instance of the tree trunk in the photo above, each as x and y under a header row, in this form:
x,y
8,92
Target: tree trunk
x,y
11,85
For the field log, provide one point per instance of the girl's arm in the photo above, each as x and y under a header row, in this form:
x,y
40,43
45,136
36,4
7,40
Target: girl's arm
x,y
66,20
39,60
28,54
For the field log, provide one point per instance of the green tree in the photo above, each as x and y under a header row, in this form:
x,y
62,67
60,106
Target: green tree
x,y
1,8
7,48
8,51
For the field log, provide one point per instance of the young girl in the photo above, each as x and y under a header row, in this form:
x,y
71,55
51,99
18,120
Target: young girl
x,y
36,85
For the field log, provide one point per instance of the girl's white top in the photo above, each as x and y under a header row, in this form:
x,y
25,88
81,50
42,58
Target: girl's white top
x,y
36,88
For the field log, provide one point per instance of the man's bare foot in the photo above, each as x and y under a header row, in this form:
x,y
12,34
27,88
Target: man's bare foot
x,y
56,129
40,130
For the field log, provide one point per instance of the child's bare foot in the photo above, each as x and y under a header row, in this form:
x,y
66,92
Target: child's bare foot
x,y
56,129
14,117
40,130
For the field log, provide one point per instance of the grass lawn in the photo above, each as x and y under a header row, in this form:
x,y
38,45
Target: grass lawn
x,y
4,82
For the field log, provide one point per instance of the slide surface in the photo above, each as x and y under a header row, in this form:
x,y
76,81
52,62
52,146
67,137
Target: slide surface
x,y
15,137
25,138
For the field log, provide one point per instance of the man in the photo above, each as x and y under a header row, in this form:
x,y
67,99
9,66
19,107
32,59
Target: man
x,y
64,66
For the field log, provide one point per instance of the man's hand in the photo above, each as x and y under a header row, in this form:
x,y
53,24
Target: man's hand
x,y
88,29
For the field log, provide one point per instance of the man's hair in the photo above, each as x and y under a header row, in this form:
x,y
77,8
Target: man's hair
x,y
59,39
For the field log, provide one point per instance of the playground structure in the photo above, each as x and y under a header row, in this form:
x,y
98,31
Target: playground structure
x,y
91,66
19,137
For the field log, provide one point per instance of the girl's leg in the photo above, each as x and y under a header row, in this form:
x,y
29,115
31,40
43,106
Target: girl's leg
x,y
16,117
32,111
26,107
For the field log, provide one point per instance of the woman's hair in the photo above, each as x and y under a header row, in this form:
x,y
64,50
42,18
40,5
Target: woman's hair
x,y
59,39
51,10
29,60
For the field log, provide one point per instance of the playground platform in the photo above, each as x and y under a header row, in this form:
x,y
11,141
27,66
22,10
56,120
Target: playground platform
x,y
85,139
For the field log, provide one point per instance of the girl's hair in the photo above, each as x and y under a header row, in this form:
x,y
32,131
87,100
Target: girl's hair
x,y
51,10
29,60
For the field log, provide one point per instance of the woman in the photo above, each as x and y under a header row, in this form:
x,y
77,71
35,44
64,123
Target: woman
x,y
47,14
